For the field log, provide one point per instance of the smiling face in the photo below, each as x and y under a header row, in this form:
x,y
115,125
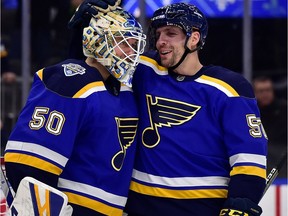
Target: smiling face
x,y
170,43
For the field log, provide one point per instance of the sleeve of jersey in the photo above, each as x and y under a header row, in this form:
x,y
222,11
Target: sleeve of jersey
x,y
246,144
44,134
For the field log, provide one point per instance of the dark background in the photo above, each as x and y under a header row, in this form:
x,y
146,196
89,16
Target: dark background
x,y
269,48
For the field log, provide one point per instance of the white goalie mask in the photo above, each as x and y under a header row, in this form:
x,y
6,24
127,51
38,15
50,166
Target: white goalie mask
x,y
115,30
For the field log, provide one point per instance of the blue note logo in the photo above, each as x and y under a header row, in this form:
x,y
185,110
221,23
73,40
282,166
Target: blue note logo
x,y
127,128
164,112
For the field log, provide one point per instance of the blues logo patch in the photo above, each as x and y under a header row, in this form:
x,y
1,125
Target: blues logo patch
x,y
73,69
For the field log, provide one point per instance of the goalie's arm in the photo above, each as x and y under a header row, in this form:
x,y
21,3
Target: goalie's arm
x,y
16,172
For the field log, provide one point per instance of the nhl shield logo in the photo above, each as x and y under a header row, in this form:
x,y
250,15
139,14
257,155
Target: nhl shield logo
x,y
73,69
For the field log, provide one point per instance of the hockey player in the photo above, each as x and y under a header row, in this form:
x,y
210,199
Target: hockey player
x,y
77,130
203,147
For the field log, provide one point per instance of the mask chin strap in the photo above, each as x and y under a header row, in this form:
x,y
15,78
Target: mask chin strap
x,y
187,50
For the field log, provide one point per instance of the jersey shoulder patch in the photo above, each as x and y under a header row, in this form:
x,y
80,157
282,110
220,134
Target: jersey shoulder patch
x,y
72,69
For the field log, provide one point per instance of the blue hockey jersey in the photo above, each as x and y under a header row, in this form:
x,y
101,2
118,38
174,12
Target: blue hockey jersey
x,y
80,129
202,141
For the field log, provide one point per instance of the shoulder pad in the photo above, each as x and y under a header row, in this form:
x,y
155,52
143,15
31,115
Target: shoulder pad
x,y
68,77
231,78
153,55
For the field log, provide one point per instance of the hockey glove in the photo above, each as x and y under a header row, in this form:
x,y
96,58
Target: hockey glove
x,y
36,198
240,207
88,8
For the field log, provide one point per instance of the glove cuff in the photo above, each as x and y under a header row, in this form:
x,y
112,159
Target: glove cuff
x,y
241,206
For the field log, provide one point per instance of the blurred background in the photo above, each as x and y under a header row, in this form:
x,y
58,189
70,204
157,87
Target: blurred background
x,y
247,36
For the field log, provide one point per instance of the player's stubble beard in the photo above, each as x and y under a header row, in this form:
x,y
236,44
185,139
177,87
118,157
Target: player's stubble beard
x,y
172,58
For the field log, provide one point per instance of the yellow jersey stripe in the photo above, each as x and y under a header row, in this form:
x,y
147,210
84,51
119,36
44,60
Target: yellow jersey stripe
x,y
178,194
34,148
152,63
32,161
93,204
219,84
89,89
92,191
40,74
248,170
173,182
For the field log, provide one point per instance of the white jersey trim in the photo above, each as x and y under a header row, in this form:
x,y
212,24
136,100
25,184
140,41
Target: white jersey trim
x,y
102,88
180,181
247,158
37,149
92,191
92,90
220,87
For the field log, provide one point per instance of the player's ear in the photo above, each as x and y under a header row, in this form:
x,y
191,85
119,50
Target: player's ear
x,y
193,40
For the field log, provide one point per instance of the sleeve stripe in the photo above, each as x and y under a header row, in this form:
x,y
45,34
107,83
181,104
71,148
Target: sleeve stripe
x,y
33,162
248,158
248,170
38,150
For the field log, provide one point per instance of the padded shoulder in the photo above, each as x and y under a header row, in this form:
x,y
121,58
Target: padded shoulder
x,y
153,55
231,78
68,77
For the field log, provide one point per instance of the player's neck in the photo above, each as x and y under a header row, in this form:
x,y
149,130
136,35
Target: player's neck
x,y
189,67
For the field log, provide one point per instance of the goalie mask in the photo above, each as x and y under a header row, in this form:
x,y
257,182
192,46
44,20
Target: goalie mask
x,y
110,31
